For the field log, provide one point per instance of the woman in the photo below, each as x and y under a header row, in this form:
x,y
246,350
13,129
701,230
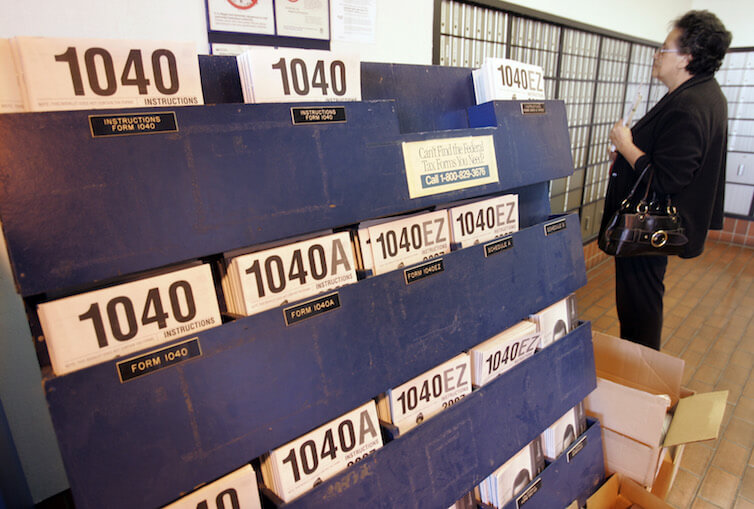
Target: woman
x,y
684,138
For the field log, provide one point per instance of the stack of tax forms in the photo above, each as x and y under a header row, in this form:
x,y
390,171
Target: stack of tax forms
x,y
298,466
392,243
510,480
236,490
563,432
555,321
54,74
274,276
466,502
407,405
281,75
479,221
93,327
500,79
500,353
11,97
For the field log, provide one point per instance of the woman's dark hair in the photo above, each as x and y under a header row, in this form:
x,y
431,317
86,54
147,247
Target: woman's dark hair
x,y
704,37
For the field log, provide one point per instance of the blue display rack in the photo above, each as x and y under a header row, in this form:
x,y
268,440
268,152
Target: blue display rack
x,y
78,211
574,475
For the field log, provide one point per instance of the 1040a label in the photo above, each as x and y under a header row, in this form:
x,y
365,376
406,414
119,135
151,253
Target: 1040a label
x,y
298,466
273,277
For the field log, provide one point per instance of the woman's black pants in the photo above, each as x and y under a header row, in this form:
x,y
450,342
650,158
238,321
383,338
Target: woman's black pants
x,y
639,290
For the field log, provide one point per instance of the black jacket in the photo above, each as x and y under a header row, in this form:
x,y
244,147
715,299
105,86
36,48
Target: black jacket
x,y
685,138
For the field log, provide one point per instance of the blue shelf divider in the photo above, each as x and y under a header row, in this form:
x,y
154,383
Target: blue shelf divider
x,y
78,209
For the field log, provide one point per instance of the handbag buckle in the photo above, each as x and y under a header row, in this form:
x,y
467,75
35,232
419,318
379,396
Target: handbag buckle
x,y
659,238
641,207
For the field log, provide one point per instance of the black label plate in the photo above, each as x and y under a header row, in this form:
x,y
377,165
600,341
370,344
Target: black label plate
x,y
414,274
132,123
530,492
555,226
158,359
533,109
311,308
319,115
498,246
577,447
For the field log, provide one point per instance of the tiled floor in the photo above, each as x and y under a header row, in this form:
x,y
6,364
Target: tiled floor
x,y
709,322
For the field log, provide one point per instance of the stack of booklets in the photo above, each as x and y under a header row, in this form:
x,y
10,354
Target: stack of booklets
x,y
54,74
479,221
563,432
392,243
556,321
11,98
149,309
273,276
500,79
468,501
236,490
510,480
500,353
298,466
409,404
281,75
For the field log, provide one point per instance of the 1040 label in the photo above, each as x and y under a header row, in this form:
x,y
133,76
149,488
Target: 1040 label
x,y
294,75
93,327
72,74
237,490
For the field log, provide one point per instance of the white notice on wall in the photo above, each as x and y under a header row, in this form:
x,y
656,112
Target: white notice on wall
x,y
303,18
246,16
450,164
353,20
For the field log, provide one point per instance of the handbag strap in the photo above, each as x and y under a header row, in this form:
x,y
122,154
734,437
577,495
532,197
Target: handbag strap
x,y
626,202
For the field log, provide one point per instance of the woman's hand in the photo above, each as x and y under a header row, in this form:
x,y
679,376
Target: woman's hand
x,y
621,137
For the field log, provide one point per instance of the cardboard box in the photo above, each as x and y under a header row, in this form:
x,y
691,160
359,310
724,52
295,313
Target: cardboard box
x,y
619,492
637,390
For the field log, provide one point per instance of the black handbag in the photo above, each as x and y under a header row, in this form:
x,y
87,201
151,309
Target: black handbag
x,y
648,227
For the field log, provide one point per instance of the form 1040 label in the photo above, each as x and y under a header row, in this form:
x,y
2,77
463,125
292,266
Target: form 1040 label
x,y
89,328
70,74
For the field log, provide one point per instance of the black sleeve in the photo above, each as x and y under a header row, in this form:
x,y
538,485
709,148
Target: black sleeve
x,y
678,150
